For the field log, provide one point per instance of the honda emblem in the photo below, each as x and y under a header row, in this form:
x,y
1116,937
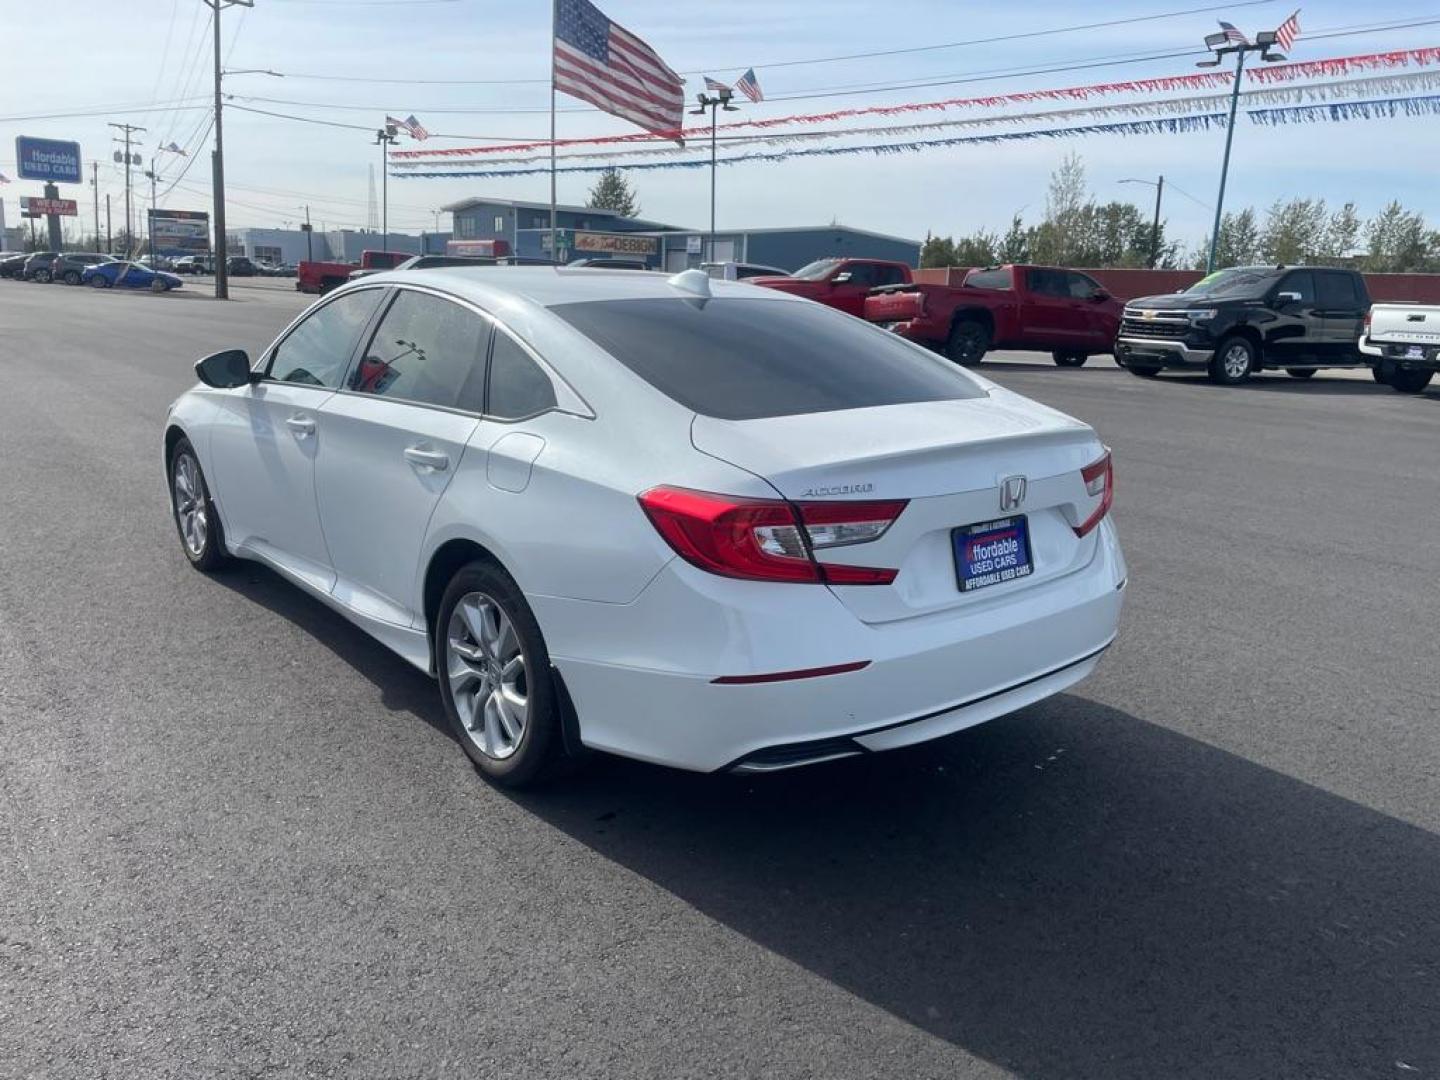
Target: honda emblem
x,y
1012,493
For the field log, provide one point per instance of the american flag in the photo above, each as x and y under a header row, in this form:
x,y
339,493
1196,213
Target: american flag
x,y
714,85
1232,35
172,148
748,86
601,62
416,129
1288,31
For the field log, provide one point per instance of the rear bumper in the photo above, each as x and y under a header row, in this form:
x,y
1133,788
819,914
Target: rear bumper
x,y
1161,352
642,674
1398,353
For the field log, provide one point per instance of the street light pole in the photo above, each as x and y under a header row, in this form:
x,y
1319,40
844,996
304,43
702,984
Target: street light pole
x,y
309,236
217,160
721,100
383,139
1222,44
1159,186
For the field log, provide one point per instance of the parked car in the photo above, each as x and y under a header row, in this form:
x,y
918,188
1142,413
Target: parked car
x,y
130,275
1403,342
838,283
159,262
741,271
37,266
318,276
266,268
12,263
748,465
1236,322
194,264
69,266
1044,308
609,264
240,266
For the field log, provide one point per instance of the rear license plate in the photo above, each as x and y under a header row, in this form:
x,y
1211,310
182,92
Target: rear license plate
x,y
990,552
1415,352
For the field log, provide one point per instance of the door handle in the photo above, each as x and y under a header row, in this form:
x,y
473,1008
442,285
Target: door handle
x,y
427,459
301,425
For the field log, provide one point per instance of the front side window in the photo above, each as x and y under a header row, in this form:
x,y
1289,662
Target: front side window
x,y
1302,282
519,387
740,359
315,352
1080,287
426,350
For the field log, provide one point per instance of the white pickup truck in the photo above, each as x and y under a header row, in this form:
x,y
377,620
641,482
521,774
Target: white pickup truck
x,y
1404,342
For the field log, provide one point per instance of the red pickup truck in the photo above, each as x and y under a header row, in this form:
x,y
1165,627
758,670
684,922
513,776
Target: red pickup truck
x,y
840,283
314,276
1044,308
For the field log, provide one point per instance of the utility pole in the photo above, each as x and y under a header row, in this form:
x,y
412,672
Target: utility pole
x,y
217,158
721,100
309,237
95,184
383,139
109,243
1231,41
130,159
1159,186
151,221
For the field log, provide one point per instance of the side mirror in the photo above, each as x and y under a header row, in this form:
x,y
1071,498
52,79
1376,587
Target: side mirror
x,y
843,278
1285,299
1099,294
224,370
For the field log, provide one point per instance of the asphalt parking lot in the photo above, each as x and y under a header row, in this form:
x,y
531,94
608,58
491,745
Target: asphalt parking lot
x,y
237,840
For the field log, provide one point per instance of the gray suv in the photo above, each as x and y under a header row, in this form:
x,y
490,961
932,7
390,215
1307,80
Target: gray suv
x,y
69,265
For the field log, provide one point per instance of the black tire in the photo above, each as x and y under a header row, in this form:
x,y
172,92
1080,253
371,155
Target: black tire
x,y
98,282
1407,380
72,277
1235,360
1142,370
539,750
209,555
1377,373
1300,372
42,276
968,343
1065,358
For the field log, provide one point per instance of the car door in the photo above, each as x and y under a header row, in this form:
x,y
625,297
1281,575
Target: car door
x,y
1296,333
266,438
1089,301
392,439
1344,310
849,294
1049,318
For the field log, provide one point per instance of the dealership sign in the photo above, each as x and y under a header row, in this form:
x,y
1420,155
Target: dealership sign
x,y
180,231
47,159
33,207
615,244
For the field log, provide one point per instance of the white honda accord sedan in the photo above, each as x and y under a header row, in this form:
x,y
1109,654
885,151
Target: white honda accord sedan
x,y
684,520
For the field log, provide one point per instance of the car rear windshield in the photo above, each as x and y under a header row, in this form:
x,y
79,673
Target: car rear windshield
x,y
746,359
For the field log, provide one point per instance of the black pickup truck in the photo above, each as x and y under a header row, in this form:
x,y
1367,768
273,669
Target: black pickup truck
x,y
1236,322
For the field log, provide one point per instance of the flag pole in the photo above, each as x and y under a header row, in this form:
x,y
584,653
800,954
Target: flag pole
x,y
554,11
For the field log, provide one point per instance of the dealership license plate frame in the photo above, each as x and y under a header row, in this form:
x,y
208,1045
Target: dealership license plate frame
x,y
964,538
1415,352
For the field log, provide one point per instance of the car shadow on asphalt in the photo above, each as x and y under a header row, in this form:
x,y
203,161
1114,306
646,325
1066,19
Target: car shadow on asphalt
x,y
1279,383
1069,892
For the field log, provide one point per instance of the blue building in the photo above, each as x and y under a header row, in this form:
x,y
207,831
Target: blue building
x,y
582,231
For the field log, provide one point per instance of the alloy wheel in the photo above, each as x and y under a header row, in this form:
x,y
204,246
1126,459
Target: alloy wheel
x,y
485,667
190,510
1236,361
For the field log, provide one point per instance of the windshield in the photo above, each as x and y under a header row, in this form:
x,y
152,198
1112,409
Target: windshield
x,y
816,270
1237,281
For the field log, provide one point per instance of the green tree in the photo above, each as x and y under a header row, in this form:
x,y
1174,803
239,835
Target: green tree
x,y
1342,233
1239,241
1295,231
613,192
1014,246
977,250
937,251
1399,241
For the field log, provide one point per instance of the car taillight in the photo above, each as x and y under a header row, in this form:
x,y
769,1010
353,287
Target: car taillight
x,y
769,539
1099,477
1365,332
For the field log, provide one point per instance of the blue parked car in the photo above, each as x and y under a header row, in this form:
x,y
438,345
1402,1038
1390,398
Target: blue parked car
x,y
129,275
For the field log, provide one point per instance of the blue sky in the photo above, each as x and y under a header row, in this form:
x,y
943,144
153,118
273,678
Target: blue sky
x,y
124,57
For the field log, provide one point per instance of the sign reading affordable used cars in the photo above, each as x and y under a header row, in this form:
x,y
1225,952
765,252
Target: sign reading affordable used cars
x,y
180,231
38,207
615,244
47,159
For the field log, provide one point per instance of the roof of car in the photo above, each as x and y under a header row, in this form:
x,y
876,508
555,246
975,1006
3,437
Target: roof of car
x,y
549,286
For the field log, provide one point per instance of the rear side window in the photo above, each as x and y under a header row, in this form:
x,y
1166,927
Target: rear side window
x,y
741,359
316,352
518,385
1338,291
426,350
999,278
